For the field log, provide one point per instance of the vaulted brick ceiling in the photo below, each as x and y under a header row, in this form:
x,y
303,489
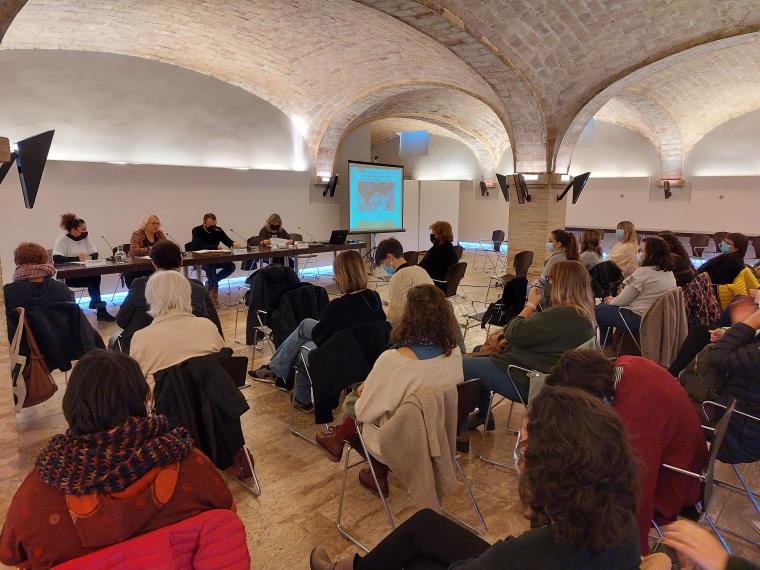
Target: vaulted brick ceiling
x,y
533,72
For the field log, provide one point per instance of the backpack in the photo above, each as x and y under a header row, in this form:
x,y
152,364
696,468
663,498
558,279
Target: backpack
x,y
700,380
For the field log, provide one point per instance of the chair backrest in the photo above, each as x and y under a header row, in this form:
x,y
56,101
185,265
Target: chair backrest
x,y
522,263
497,237
698,243
460,250
717,440
211,539
411,257
296,237
237,367
454,275
189,246
717,238
124,247
652,346
253,241
468,393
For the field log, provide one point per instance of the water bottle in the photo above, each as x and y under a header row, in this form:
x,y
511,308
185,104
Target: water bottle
x,y
120,255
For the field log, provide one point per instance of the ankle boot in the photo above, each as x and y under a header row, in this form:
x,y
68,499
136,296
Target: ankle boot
x,y
320,560
331,444
104,316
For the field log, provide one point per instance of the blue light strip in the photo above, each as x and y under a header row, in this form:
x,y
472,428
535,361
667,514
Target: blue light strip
x,y
481,246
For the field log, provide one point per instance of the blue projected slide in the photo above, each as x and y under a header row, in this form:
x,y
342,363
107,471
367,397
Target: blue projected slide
x,y
376,197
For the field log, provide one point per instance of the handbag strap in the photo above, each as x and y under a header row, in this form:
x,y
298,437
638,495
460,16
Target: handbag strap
x,y
34,348
16,341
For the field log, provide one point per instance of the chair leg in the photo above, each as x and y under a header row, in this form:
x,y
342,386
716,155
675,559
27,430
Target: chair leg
x,y
255,490
339,520
483,527
746,487
481,456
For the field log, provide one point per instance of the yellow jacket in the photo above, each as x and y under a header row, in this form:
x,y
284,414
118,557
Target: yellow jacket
x,y
745,281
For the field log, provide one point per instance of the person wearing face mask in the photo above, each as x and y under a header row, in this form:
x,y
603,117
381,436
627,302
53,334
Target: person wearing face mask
x,y
578,487
141,243
208,236
273,229
648,283
75,246
624,251
442,255
724,268
560,246
390,255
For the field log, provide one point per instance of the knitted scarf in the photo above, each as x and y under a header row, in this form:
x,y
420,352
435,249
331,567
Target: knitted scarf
x,y
110,461
33,271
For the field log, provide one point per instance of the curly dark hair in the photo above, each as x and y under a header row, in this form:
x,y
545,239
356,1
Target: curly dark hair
x,y
658,254
579,472
427,317
675,246
70,221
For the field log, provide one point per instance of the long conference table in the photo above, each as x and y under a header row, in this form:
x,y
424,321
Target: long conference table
x,y
197,260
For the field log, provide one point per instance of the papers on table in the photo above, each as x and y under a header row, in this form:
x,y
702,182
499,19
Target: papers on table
x,y
279,243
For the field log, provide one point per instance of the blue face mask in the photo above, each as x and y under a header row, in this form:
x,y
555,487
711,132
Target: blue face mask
x,y
724,247
389,270
639,258
619,234
549,247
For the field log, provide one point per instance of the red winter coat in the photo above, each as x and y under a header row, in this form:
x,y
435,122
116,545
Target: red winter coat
x,y
663,427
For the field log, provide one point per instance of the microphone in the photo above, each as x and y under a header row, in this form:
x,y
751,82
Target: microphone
x,y
245,241
111,248
313,239
174,240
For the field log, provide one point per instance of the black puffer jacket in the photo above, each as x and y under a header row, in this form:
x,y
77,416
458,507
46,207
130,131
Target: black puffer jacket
x,y
267,287
737,355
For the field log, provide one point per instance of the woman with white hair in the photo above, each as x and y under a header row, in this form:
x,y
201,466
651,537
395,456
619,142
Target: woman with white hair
x,y
175,335
142,242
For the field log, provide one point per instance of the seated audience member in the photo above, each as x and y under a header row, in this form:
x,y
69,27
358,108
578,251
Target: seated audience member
x,y
208,236
591,249
661,423
273,229
426,356
577,486
442,255
141,243
647,284
737,355
699,546
116,473
724,268
390,254
72,246
535,340
357,305
33,284
133,313
175,334
560,246
624,252
683,270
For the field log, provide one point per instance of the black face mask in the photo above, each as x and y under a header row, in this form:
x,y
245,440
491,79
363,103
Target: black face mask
x,y
432,239
81,236
275,228
211,228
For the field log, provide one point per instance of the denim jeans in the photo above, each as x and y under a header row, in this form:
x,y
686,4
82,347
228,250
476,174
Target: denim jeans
x,y
607,316
494,378
287,354
224,271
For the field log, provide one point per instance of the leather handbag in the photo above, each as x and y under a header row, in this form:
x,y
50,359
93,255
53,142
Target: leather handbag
x,y
35,374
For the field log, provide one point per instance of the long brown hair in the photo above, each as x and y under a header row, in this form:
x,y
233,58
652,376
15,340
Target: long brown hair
x,y
427,317
579,472
350,273
590,240
568,242
571,287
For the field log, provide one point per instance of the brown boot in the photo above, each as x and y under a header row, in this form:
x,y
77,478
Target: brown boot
x,y
215,296
365,478
240,467
320,560
331,444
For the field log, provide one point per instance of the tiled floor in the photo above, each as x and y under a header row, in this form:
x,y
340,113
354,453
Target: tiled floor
x,y
301,487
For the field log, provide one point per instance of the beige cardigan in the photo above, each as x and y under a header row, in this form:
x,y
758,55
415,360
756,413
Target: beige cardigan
x,y
172,339
392,379
624,256
399,286
664,328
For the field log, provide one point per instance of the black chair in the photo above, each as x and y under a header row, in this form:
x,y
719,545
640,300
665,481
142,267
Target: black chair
x,y
411,257
460,250
454,275
756,246
698,243
488,247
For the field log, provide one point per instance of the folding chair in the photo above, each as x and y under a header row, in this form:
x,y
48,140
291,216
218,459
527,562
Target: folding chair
x,y
698,243
308,257
454,275
745,488
303,368
467,395
707,476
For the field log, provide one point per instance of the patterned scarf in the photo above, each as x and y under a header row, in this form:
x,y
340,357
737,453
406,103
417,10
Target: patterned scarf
x,y
110,461
33,271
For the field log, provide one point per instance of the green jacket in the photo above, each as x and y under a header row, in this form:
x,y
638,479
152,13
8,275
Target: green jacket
x,y
538,341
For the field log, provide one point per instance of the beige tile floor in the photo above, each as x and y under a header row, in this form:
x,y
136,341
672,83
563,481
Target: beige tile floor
x,y
297,509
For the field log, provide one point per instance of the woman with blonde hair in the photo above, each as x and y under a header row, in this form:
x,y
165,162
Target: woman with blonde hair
x,y
625,250
442,255
141,243
356,306
535,340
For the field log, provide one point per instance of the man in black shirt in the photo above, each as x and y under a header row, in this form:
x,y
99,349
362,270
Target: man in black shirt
x,y
133,313
209,236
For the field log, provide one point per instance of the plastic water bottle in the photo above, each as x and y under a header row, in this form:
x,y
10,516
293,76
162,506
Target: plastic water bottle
x,y
120,256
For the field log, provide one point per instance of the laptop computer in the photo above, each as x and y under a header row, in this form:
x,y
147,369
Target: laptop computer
x,y
338,237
